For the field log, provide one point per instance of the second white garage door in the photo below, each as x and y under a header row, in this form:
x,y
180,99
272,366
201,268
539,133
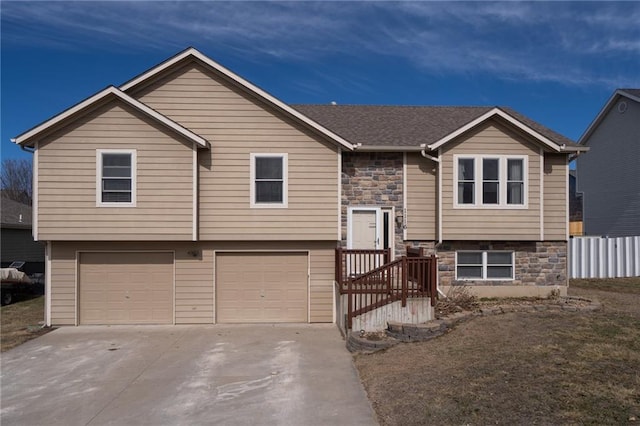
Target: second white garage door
x,y
261,287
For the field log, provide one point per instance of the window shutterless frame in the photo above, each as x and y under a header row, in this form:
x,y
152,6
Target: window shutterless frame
x,y
268,180
510,184
112,179
489,265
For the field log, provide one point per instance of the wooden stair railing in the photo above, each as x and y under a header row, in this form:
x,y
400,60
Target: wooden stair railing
x,y
411,276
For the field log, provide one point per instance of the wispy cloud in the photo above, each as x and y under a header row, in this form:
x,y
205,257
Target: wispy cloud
x,y
560,42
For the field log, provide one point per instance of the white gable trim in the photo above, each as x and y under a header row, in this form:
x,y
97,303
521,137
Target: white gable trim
x,y
111,91
241,81
488,115
604,111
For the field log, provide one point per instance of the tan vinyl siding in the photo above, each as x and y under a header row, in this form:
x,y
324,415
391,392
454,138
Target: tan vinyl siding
x,y
67,180
63,290
194,275
555,197
194,286
238,125
491,223
322,262
422,197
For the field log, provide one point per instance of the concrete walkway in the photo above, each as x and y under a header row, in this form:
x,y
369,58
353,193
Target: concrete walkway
x,y
183,375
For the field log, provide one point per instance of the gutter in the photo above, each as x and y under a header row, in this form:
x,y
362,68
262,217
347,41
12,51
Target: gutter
x,y
384,148
28,149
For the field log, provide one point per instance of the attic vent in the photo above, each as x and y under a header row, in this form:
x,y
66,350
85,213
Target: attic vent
x,y
622,107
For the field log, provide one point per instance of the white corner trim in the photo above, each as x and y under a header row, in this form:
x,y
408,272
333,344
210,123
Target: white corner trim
x,y
566,222
405,186
194,194
76,282
339,195
440,226
112,91
192,52
541,194
488,115
285,181
174,286
34,194
134,171
47,284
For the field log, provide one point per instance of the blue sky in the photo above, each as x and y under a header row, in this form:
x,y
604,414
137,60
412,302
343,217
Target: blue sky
x,y
555,62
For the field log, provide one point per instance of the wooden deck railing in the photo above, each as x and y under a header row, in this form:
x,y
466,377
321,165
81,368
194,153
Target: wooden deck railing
x,y
410,276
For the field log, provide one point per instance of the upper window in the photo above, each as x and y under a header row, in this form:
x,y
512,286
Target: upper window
x,y
116,174
484,265
490,181
268,180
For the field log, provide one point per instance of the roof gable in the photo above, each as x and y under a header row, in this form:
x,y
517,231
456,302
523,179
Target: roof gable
x,y
193,54
631,94
28,138
493,113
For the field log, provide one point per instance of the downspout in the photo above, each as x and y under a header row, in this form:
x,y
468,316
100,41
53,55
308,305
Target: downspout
x,y
437,161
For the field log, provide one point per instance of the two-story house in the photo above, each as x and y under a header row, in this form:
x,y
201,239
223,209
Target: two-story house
x,y
609,176
189,195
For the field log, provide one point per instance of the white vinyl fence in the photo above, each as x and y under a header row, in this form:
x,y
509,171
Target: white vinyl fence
x,y
602,257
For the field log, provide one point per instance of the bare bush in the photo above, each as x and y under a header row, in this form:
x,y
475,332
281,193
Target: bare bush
x,y
459,298
16,180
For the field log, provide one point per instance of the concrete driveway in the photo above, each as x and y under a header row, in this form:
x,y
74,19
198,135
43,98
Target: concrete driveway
x,y
183,375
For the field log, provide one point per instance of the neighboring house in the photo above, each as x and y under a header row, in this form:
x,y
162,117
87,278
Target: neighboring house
x,y
575,206
189,195
609,176
16,240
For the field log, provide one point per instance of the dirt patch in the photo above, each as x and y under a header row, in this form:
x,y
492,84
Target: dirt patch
x,y
551,367
21,321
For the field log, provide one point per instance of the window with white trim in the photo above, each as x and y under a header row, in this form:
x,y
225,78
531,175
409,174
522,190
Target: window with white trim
x,y
490,181
484,265
269,180
116,178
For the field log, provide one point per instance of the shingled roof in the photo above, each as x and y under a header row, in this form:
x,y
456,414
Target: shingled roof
x,y
410,126
14,214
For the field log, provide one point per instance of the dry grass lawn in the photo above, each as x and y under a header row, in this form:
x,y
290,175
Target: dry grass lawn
x,y
538,368
19,322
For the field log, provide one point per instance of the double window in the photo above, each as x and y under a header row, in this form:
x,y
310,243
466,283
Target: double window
x,y
484,265
268,180
116,178
490,181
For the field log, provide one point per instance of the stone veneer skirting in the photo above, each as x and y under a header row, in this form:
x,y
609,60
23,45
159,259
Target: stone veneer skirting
x,y
536,263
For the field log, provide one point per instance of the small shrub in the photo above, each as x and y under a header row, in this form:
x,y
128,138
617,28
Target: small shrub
x,y
459,298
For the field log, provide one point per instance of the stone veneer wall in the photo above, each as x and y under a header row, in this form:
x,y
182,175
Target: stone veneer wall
x,y
536,263
372,179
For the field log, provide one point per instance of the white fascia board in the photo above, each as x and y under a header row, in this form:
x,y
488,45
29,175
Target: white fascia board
x,y
604,111
486,116
112,91
241,81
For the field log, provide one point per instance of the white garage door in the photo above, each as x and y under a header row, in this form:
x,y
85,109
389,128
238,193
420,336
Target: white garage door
x,y
126,288
261,287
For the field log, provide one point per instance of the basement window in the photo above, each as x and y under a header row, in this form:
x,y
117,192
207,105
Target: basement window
x,y
484,265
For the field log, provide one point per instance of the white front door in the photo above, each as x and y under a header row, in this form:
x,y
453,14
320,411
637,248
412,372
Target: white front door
x,y
364,230
369,228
